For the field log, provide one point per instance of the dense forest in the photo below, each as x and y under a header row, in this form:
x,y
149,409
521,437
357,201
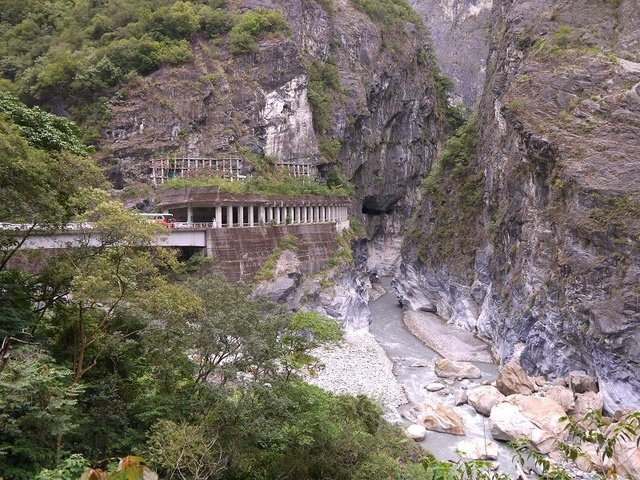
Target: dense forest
x,y
121,349
71,56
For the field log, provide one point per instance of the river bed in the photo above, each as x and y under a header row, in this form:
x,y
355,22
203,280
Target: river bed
x,y
392,366
413,367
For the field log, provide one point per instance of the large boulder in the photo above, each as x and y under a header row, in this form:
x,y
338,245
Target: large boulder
x,y
484,398
477,449
562,396
446,368
512,379
587,401
580,382
440,418
416,432
286,277
626,458
536,419
591,460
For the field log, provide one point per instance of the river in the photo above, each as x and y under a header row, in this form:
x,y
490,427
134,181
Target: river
x,y
413,368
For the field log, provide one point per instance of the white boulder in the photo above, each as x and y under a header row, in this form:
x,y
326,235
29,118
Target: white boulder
x,y
446,368
440,418
536,419
483,398
562,396
478,449
416,432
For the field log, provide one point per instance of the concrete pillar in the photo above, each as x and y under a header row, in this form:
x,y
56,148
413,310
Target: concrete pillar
x,y
292,214
189,214
229,216
251,215
208,237
298,215
241,215
277,215
323,214
261,215
218,216
303,219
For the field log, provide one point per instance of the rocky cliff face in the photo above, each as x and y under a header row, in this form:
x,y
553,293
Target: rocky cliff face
x,y
551,255
219,105
460,33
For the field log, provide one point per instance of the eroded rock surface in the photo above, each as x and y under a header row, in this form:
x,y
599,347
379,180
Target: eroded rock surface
x,y
512,379
551,257
536,419
440,418
446,368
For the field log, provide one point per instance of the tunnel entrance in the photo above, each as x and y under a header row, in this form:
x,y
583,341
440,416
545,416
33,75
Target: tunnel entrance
x,y
372,206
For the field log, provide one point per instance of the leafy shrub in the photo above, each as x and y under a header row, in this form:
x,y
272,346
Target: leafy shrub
x,y
253,25
453,115
329,148
79,51
215,21
324,87
388,13
266,271
270,183
41,129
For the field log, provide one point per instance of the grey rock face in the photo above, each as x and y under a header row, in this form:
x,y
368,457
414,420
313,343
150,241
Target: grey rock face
x,y
558,262
460,33
346,299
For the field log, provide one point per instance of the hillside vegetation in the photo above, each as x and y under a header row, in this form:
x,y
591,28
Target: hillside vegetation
x,y
66,55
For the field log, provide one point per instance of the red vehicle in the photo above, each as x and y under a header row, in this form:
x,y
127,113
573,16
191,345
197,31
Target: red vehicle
x,y
165,218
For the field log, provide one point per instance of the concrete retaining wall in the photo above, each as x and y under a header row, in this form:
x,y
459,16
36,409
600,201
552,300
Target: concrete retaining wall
x,y
242,251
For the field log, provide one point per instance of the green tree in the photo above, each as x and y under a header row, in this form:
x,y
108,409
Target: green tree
x,y
37,405
45,179
253,25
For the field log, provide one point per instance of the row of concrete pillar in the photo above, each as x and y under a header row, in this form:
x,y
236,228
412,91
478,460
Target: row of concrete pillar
x,y
282,215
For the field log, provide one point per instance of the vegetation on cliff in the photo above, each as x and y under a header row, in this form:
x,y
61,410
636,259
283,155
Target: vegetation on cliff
x,y
70,56
272,183
445,226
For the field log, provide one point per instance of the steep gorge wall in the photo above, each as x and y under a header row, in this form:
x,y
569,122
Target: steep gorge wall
x,y
220,104
551,259
460,33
